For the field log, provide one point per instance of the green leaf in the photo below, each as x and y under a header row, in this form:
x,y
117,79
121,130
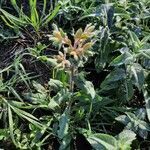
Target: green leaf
x,y
125,58
39,87
14,20
63,125
34,17
37,98
147,101
4,134
53,104
135,41
138,75
145,39
135,123
103,50
84,85
62,96
50,61
51,15
15,94
14,3
25,115
125,139
65,144
114,76
55,84
122,13
89,88
102,142
123,119
11,124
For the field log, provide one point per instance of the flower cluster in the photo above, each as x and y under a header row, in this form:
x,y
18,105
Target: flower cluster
x,y
79,48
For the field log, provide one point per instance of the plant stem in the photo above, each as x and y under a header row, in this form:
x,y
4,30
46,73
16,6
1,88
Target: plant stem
x,y
72,73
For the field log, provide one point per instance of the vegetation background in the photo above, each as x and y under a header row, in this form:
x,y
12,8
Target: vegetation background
x,y
74,74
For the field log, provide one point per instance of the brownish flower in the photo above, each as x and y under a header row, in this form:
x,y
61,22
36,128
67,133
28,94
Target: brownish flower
x,y
81,50
78,49
62,61
59,37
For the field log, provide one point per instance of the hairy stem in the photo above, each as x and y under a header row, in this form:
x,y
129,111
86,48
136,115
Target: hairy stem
x,y
72,73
